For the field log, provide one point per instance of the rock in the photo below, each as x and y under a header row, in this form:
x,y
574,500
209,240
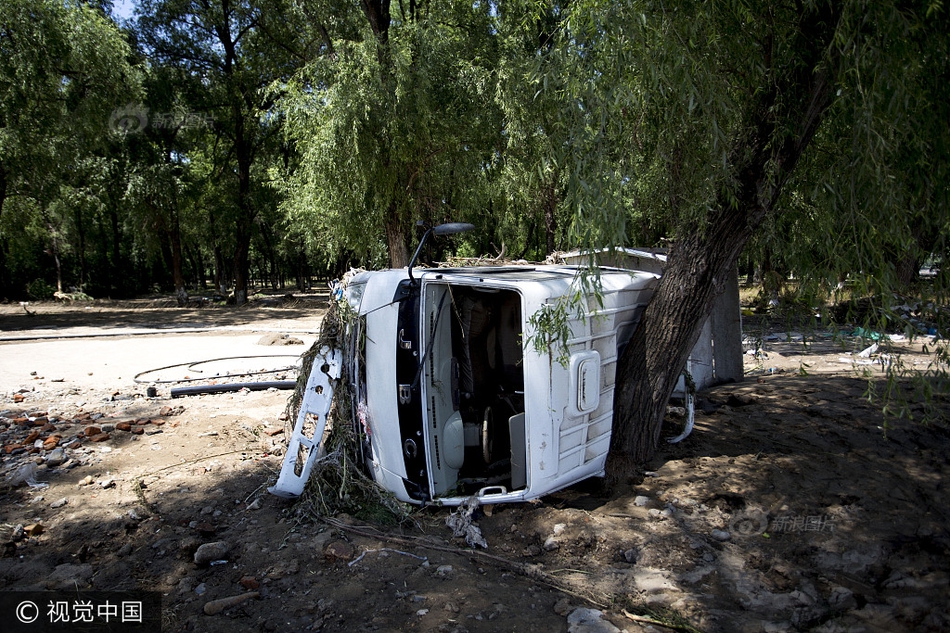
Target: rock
x,y
740,400
563,606
842,599
208,552
631,555
59,503
443,571
273,338
101,437
123,426
531,550
18,533
339,551
589,621
56,458
641,501
551,544
107,483
559,528
720,535
69,576
217,606
282,570
205,529
90,431
257,504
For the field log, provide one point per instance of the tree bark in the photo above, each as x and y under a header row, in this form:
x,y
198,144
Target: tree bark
x,y
550,216
705,253
396,238
178,275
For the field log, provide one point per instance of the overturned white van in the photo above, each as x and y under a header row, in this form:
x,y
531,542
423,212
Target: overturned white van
x,y
454,399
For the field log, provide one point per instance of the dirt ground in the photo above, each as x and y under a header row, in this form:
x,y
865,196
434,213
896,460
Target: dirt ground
x,y
788,508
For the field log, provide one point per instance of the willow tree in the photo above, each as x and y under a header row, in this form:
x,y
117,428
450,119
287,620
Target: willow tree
x,y
393,123
722,108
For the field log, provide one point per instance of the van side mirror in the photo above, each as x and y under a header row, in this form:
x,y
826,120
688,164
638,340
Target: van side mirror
x,y
449,228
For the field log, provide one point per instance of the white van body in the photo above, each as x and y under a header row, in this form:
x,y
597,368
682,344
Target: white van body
x,y
452,396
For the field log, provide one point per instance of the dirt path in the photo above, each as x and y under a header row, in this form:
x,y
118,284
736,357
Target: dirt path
x,y
787,509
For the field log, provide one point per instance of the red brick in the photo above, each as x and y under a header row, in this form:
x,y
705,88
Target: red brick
x,y
250,582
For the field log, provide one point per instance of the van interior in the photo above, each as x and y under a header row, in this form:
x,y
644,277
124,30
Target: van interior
x,y
474,389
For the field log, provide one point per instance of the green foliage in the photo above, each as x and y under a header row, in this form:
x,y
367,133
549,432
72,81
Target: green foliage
x,y
39,290
390,132
64,68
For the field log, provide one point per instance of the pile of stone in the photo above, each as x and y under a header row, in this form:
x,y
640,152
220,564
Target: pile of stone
x,y
46,438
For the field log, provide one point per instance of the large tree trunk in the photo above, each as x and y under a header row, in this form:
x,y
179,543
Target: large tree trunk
x,y
3,188
396,238
242,269
705,254
178,275
245,220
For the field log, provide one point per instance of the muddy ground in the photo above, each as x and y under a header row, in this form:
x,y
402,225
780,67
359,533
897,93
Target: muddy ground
x,y
788,508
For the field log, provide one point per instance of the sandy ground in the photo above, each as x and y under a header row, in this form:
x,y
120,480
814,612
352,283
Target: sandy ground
x,y
789,507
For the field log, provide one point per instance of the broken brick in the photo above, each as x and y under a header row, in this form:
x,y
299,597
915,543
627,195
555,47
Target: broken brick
x,y
137,430
101,437
123,426
92,431
250,582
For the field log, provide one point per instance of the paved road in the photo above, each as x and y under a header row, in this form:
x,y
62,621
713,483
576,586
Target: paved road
x,y
114,361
